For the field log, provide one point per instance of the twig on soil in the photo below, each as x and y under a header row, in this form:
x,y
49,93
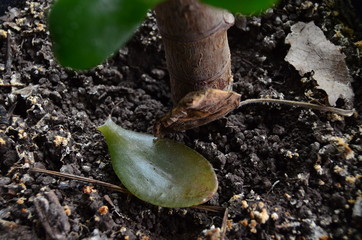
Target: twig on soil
x,y
83,179
109,201
112,186
343,112
272,187
209,208
12,85
247,61
224,224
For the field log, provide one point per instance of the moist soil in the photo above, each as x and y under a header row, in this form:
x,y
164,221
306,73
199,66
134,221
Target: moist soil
x,y
283,172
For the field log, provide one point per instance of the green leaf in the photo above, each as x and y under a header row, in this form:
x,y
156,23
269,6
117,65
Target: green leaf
x,y
159,171
86,32
242,6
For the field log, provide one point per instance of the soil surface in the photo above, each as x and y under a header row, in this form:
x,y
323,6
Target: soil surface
x,y
284,172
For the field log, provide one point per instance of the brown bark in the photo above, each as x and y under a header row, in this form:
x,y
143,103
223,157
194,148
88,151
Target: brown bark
x,y
196,46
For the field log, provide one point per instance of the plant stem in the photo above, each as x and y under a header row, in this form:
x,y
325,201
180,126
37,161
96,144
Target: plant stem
x,y
339,111
196,46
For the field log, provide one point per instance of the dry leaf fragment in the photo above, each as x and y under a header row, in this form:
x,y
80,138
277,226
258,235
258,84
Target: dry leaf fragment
x,y
196,109
311,51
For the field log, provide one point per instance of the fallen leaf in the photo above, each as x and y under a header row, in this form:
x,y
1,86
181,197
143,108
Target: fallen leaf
x,y
310,51
196,109
159,171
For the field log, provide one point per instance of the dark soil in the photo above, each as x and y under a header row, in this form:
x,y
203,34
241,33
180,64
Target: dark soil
x,y
302,167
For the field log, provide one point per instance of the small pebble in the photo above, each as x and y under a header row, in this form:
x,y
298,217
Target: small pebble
x,y
86,168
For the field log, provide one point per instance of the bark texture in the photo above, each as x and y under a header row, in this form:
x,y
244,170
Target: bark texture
x,y
196,46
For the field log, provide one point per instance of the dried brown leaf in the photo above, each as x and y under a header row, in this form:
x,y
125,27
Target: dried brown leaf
x,y
196,109
310,51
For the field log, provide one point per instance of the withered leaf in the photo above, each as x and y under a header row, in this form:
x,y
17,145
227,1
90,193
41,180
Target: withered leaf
x,y
196,109
310,51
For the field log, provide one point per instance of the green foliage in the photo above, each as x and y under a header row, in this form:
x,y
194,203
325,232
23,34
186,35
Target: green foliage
x,y
242,6
86,32
159,171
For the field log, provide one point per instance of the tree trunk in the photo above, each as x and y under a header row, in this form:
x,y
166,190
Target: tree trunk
x,y
196,46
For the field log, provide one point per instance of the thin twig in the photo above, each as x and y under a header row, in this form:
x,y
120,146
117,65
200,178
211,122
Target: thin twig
x,y
272,187
343,112
83,179
209,208
8,85
224,225
112,186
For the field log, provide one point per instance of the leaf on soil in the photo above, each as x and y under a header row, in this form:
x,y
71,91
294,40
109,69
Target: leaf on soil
x,y
310,51
159,171
196,109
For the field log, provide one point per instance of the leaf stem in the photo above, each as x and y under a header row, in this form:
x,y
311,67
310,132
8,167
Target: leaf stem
x,y
343,112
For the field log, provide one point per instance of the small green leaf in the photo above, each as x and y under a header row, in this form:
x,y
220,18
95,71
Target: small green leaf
x,y
159,171
242,6
86,32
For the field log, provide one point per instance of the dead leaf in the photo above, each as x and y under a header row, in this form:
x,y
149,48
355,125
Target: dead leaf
x,y
196,109
311,51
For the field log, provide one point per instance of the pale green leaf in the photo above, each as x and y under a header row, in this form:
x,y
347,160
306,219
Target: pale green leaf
x,y
159,171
